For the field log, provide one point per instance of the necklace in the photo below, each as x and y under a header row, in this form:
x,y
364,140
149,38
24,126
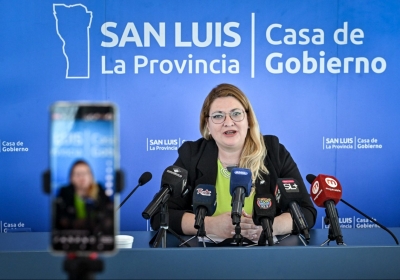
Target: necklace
x,y
229,165
227,168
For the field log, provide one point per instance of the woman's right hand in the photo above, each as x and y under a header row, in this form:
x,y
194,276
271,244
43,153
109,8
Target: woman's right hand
x,y
220,225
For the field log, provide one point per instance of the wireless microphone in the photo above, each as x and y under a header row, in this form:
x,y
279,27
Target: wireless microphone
x,y
289,197
264,211
204,203
326,192
240,187
173,182
144,179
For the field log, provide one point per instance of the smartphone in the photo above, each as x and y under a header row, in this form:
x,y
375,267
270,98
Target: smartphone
x,y
84,158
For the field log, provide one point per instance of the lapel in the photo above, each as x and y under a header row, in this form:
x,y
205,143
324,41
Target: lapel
x,y
207,166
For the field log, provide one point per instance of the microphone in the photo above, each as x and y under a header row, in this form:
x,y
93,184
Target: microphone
x,y
204,203
240,187
310,178
146,177
186,190
264,211
173,182
326,192
289,197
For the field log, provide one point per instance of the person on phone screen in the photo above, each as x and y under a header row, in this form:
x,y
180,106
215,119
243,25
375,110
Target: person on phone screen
x,y
232,138
83,204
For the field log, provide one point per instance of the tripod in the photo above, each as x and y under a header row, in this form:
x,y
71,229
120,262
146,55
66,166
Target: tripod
x,y
164,228
299,235
332,236
201,232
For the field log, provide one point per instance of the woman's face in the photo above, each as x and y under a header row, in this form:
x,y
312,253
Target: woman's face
x,y
229,134
82,179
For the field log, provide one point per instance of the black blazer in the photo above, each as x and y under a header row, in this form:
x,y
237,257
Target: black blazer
x,y
65,212
200,157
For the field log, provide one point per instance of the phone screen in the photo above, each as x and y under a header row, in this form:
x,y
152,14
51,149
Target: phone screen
x,y
84,156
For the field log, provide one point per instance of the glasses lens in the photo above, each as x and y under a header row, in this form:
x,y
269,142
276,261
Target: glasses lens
x,y
218,118
237,115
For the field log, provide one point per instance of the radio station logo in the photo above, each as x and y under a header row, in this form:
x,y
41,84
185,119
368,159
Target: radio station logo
x,y
350,143
163,144
315,187
290,186
264,203
331,182
203,192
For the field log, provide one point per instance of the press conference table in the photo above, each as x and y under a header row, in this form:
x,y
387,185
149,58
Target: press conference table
x,y
369,254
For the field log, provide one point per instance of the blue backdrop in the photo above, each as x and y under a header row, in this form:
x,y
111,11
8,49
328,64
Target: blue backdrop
x,y
321,75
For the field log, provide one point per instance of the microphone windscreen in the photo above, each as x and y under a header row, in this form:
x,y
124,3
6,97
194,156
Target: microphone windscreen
x,y
288,191
205,196
310,178
264,206
240,177
146,177
175,178
325,187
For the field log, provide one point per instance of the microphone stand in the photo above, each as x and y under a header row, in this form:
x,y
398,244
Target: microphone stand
x,y
164,227
201,232
372,220
298,234
332,236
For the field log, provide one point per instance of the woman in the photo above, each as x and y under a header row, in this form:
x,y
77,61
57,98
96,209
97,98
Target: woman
x,y
232,138
83,202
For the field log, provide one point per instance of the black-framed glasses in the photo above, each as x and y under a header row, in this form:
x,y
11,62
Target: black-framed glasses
x,y
237,115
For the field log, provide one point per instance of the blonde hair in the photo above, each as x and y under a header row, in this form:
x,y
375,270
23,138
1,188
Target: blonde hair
x,y
94,188
254,150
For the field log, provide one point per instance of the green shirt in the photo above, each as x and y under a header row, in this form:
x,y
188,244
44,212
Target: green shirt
x,y
224,198
79,207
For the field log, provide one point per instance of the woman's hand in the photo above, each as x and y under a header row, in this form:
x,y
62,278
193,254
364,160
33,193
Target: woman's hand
x,y
249,229
220,225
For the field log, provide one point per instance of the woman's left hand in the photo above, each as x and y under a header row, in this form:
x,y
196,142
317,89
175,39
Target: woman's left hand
x,y
249,229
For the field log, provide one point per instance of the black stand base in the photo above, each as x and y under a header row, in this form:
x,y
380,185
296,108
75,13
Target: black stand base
x,y
332,237
300,236
82,267
237,239
200,233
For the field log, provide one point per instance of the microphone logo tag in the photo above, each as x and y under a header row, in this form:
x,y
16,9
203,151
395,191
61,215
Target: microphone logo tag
x,y
291,187
239,172
331,182
174,173
204,192
315,187
264,203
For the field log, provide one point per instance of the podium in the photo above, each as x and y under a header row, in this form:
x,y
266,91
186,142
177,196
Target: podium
x,y
371,253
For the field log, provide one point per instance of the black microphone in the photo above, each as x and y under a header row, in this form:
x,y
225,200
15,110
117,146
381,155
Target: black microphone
x,y
240,187
310,178
146,177
264,210
173,182
186,190
289,197
204,203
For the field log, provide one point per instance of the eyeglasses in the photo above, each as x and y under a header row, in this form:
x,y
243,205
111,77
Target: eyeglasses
x,y
237,115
